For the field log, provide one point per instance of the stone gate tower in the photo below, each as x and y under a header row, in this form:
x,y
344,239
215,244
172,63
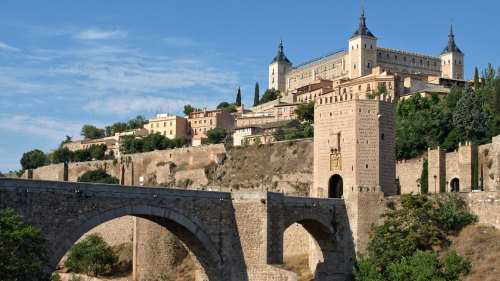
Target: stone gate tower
x,y
354,145
277,69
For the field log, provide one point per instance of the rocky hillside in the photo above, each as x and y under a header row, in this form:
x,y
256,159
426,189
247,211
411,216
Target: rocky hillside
x,y
283,166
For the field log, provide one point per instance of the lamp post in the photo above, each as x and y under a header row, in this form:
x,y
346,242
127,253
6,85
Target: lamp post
x,y
435,189
446,186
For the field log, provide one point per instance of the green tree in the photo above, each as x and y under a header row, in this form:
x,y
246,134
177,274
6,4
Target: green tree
x,y
97,176
136,123
424,177
269,95
476,79
67,140
305,112
495,103
238,98
256,95
418,225
469,115
188,109
216,135
227,106
61,155
33,159
92,132
475,178
82,155
90,256
23,251
97,151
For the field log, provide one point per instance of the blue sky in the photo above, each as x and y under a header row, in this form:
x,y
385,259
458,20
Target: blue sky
x,y
64,64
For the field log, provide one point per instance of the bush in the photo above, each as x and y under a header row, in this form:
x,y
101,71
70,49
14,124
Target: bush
x,y
22,249
92,255
97,176
401,248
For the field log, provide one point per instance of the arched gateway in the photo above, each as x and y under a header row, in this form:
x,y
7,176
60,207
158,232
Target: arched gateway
x,y
335,187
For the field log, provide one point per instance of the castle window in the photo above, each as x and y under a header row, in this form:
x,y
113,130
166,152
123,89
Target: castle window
x,y
359,88
387,55
367,87
345,90
379,54
367,166
413,59
395,57
357,46
354,65
273,72
455,61
164,124
352,48
382,135
420,61
449,61
371,46
434,63
365,46
428,62
368,65
404,58
459,62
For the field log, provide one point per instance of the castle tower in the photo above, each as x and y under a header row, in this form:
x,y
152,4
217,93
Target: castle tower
x,y
362,50
452,59
354,146
277,70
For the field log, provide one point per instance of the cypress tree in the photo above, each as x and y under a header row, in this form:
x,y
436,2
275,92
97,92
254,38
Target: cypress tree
x,y
475,179
495,105
238,98
424,177
476,79
256,96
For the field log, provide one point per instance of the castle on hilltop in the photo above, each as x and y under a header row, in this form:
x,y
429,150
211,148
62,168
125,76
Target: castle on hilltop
x,y
363,66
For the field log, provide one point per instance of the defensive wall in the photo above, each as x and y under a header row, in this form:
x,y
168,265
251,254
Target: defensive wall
x,y
454,169
235,236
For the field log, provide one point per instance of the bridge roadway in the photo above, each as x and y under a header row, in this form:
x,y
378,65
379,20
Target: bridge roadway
x,y
235,236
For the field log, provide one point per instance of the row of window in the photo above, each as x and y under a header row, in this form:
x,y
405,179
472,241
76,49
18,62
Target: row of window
x,y
366,46
404,59
196,122
158,124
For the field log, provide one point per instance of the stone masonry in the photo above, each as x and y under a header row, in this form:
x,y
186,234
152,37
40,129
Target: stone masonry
x,y
235,236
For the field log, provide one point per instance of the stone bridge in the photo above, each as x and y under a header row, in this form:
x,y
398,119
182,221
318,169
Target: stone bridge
x,y
235,236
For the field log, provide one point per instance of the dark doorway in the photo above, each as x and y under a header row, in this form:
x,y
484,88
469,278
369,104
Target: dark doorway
x,y
335,187
455,185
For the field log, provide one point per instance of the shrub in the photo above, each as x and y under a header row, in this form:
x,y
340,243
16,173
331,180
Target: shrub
x,y
97,176
92,255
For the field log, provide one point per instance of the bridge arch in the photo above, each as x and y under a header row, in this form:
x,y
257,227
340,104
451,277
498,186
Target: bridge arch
x,y
324,254
187,229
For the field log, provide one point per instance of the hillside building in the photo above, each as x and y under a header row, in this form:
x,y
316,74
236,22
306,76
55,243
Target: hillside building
x,y
168,125
202,121
364,64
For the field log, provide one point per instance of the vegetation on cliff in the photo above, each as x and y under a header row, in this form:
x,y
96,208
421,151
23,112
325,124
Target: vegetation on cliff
x,y
402,248
97,176
464,114
22,249
151,142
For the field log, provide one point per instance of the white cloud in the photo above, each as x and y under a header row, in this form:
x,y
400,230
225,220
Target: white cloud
x,y
40,125
125,105
8,47
179,41
98,34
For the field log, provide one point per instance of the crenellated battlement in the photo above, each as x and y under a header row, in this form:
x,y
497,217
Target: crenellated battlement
x,y
350,97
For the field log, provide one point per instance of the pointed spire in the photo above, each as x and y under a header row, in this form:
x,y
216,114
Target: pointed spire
x,y
451,46
362,19
280,57
362,29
